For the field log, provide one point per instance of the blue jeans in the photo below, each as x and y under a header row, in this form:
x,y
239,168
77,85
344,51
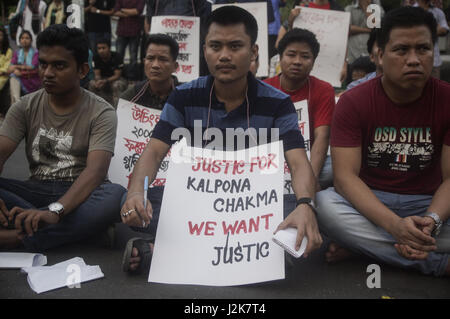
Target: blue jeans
x,y
326,174
123,42
155,195
342,223
93,216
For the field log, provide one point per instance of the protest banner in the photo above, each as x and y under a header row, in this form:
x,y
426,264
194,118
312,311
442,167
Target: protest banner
x,y
301,108
186,31
218,215
134,129
259,11
331,29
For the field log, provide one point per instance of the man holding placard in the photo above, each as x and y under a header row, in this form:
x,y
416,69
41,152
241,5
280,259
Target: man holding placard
x,y
229,98
298,50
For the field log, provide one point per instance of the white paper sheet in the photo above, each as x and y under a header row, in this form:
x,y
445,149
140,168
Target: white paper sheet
x,y
70,273
20,260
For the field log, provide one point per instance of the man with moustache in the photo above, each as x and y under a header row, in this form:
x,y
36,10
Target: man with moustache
x,y
233,98
69,138
160,63
390,146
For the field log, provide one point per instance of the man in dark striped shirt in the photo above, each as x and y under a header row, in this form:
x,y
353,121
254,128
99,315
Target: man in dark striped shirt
x,y
228,98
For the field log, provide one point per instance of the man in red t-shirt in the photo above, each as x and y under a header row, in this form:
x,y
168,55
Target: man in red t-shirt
x,y
298,50
390,145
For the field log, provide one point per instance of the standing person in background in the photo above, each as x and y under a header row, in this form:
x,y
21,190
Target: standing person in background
x,y
24,69
129,27
442,30
274,27
55,13
98,20
5,60
359,30
33,18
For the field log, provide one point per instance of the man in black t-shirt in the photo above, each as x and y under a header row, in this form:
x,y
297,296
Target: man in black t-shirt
x,y
98,21
108,82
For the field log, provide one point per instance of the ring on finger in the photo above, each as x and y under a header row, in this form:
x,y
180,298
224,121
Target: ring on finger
x,y
128,212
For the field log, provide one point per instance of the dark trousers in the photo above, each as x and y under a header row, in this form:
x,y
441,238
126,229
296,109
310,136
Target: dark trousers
x,y
102,208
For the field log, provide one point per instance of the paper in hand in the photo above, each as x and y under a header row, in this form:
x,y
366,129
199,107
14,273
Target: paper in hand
x,y
286,239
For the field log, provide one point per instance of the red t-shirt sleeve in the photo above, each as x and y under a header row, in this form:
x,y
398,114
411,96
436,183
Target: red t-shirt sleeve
x,y
325,102
346,126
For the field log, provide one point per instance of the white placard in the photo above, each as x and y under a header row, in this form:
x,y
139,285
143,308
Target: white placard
x,y
331,29
259,11
186,31
218,216
134,129
301,108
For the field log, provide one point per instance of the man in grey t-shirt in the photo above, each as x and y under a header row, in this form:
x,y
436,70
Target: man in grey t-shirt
x,y
70,135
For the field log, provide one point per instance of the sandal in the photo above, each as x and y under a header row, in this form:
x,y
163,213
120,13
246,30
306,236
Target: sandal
x,y
145,253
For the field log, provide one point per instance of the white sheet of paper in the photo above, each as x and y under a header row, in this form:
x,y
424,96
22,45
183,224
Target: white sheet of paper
x,y
20,260
65,274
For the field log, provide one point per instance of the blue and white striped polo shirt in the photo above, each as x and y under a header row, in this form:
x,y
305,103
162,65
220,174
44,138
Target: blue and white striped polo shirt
x,y
268,109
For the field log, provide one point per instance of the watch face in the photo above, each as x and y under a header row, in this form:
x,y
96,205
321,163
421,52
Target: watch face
x,y
56,207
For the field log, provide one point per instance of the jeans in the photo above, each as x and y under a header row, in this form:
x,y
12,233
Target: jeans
x,y
326,174
123,42
155,195
93,216
342,223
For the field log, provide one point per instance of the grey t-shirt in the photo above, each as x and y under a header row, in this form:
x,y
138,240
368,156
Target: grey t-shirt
x,y
57,145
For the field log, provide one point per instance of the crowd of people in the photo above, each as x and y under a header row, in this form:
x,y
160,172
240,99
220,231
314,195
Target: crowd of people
x,y
382,193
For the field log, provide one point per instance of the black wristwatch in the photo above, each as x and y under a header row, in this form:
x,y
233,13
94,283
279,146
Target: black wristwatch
x,y
308,201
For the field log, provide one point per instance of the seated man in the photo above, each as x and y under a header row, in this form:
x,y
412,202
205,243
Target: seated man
x,y
230,97
160,63
360,68
390,144
372,48
69,135
108,65
298,50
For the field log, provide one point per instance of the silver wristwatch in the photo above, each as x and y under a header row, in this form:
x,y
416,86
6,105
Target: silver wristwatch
x,y
437,222
56,208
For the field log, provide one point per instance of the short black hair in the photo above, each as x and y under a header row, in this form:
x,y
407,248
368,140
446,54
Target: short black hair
x,y
72,39
363,63
406,17
104,40
164,39
372,40
232,15
4,46
299,35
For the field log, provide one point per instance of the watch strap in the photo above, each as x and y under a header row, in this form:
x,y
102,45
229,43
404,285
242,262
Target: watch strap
x,y
308,201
